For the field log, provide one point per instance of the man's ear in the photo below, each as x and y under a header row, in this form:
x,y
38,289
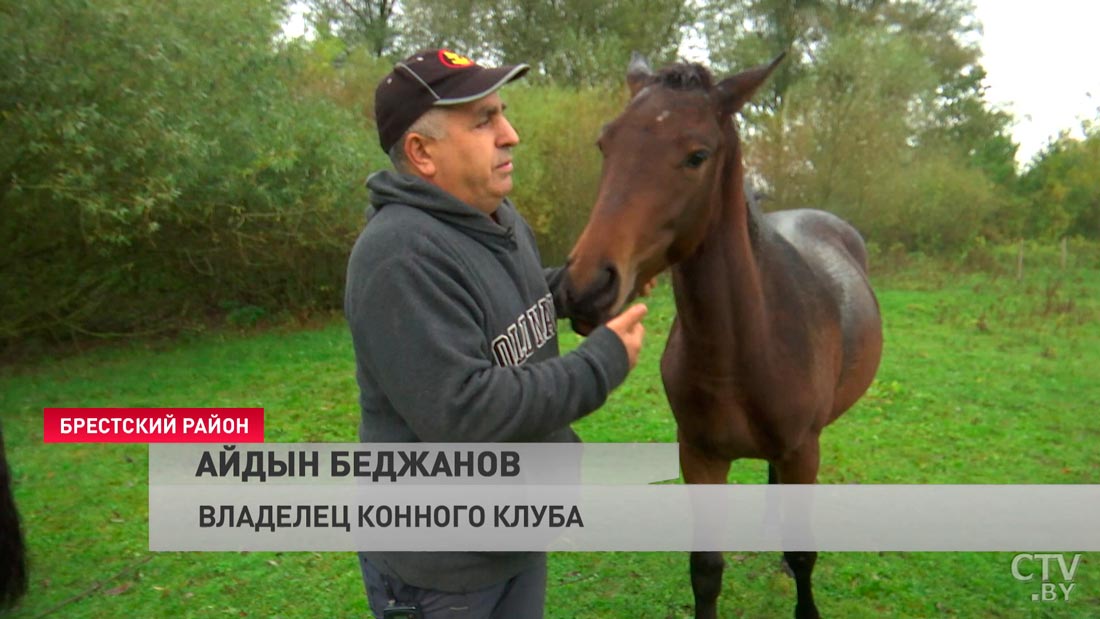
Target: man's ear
x,y
735,91
419,154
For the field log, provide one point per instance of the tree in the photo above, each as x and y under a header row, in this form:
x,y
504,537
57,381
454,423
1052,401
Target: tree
x,y
1061,187
155,164
747,33
875,96
568,41
358,22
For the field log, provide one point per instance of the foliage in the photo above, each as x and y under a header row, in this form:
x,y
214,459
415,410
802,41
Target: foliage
x,y
576,42
557,162
366,23
877,114
154,162
161,162
1061,187
328,71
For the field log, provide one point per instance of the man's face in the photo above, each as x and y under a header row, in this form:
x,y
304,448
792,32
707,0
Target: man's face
x,y
473,161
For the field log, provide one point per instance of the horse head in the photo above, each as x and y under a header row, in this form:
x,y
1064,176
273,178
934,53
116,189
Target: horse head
x,y
663,159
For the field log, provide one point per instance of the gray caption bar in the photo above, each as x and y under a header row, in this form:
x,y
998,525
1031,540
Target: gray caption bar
x,y
643,518
538,463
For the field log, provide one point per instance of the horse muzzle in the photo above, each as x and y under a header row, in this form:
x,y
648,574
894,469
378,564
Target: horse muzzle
x,y
592,306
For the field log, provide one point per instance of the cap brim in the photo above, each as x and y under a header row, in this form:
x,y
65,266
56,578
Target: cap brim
x,y
483,84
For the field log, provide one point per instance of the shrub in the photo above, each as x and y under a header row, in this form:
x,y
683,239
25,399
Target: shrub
x,y
156,160
557,163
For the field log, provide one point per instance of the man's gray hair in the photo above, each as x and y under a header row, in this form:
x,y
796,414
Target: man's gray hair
x,y
430,125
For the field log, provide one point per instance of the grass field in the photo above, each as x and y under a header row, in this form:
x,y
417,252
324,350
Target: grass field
x,y
984,380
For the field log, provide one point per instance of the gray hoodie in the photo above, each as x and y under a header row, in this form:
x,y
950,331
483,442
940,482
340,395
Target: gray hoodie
x,y
454,326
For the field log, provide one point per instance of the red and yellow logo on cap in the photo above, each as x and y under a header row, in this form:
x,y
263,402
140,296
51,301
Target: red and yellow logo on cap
x,y
453,60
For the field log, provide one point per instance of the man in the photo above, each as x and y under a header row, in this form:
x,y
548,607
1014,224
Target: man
x,y
453,320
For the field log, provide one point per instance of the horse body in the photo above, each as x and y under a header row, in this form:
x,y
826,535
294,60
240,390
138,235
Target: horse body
x,y
777,333
777,330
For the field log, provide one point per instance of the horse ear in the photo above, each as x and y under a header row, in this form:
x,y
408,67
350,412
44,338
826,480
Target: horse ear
x,y
637,73
735,91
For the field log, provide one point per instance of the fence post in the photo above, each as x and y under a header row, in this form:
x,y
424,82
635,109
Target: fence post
x,y
1065,253
1020,262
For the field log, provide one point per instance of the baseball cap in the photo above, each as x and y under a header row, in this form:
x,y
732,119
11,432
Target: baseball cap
x,y
431,78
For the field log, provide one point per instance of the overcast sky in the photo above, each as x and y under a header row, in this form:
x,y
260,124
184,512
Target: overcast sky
x,y
1043,61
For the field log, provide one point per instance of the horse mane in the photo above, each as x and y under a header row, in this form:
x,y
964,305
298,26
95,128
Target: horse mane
x,y
685,76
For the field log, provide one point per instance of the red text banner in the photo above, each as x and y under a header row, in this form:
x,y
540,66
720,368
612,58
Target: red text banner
x,y
153,425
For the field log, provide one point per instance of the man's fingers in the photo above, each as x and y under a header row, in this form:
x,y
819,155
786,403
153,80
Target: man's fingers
x,y
628,326
633,315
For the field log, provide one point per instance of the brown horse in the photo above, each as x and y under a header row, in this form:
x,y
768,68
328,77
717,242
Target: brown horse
x,y
777,330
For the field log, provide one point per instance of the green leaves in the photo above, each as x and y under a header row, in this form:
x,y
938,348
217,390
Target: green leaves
x,y
168,135
573,42
1061,187
877,115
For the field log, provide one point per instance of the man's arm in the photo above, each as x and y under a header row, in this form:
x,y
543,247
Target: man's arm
x,y
555,278
418,330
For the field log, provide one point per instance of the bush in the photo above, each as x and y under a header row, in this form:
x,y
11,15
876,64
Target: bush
x,y
157,160
557,163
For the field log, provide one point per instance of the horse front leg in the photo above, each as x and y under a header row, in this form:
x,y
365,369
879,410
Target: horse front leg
x,y
706,582
706,567
800,467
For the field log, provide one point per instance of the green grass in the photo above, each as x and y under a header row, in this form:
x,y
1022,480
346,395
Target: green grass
x,y
984,380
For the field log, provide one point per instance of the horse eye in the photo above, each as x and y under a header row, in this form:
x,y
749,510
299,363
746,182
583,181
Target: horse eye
x,y
696,159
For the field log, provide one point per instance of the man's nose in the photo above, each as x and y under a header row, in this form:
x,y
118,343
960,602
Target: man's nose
x,y
508,136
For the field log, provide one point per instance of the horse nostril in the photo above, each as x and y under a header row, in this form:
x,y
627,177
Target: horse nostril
x,y
590,303
610,278
604,290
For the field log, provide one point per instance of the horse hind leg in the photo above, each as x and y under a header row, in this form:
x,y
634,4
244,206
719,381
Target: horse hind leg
x,y
800,467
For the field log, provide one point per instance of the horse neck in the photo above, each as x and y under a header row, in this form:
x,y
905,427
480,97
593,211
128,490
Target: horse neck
x,y
720,288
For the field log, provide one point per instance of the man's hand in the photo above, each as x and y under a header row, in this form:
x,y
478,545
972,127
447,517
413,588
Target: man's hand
x,y
647,288
628,326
